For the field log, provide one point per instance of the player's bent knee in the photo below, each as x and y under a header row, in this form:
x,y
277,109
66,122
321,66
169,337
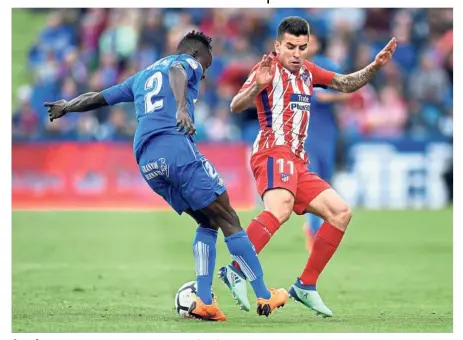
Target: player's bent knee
x,y
222,215
345,216
280,203
281,209
341,217
282,213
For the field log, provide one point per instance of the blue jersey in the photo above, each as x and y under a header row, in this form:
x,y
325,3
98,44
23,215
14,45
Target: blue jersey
x,y
168,160
322,115
322,135
155,105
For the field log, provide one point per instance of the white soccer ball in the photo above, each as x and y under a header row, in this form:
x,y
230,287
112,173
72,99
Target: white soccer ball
x,y
185,296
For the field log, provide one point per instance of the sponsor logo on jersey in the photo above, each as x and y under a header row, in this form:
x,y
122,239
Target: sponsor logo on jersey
x,y
155,169
162,62
300,102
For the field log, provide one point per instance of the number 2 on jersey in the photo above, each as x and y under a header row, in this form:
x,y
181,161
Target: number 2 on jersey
x,y
155,83
210,169
281,166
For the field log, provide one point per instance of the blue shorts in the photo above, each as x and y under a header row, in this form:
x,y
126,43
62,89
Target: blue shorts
x,y
175,169
323,163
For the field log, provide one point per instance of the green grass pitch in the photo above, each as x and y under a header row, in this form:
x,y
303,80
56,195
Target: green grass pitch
x,y
119,271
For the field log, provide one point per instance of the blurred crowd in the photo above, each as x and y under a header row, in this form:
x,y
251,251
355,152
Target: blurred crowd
x,y
82,50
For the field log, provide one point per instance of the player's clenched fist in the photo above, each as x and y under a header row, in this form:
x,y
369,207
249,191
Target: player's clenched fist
x,y
265,72
56,109
184,122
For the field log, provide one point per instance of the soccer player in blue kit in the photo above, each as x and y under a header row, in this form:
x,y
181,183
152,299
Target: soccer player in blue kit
x,y
323,131
164,95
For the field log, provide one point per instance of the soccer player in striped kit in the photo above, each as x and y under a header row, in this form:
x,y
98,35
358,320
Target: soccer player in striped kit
x,y
281,86
323,127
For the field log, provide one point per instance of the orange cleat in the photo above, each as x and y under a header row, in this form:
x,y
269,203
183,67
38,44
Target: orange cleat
x,y
201,311
277,299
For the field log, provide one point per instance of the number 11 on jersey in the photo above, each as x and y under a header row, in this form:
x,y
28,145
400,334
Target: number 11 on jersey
x,y
281,166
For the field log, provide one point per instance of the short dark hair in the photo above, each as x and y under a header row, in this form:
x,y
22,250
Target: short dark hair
x,y
195,40
294,26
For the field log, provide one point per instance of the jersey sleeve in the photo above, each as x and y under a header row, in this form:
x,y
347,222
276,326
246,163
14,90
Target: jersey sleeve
x,y
321,77
193,69
251,79
336,69
120,93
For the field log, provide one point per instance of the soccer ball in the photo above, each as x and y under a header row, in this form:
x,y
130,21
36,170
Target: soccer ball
x,y
185,296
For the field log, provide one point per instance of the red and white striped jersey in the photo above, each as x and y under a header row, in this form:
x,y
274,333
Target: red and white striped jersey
x,y
283,107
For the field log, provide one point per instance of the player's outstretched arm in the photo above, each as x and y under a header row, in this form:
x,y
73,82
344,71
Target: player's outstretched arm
x,y
354,81
179,82
257,81
245,99
85,102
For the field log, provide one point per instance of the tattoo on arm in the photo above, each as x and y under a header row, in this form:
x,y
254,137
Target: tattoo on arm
x,y
250,93
353,81
86,102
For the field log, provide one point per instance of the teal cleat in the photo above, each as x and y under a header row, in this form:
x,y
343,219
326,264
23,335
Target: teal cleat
x,y
236,283
308,296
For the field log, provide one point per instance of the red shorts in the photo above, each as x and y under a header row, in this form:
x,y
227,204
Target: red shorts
x,y
280,168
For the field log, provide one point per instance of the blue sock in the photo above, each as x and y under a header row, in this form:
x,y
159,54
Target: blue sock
x,y
244,253
315,223
204,251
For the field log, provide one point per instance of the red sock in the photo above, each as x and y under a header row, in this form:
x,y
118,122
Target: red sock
x,y
325,244
260,230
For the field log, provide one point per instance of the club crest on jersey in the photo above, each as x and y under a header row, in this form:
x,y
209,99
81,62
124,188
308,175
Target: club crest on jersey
x,y
306,78
284,177
300,102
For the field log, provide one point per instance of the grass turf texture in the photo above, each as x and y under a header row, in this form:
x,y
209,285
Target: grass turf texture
x,y
119,271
